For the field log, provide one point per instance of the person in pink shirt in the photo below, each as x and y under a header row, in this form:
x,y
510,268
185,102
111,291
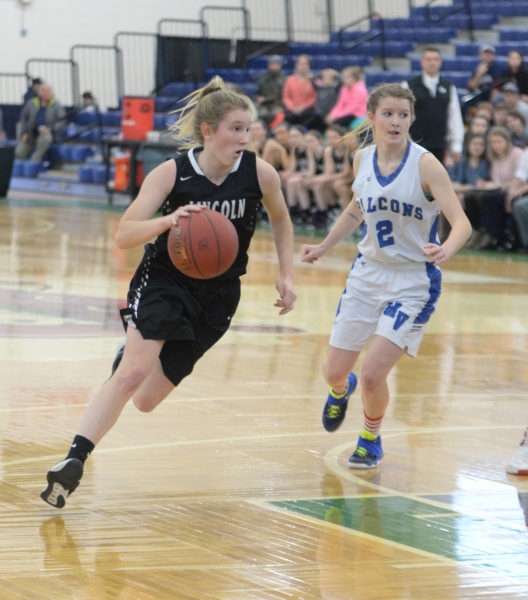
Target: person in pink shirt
x,y
504,158
299,95
352,100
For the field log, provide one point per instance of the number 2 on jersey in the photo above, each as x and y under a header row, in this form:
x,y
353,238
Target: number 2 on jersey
x,y
384,229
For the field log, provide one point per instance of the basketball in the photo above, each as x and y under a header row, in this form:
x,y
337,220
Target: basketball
x,y
203,245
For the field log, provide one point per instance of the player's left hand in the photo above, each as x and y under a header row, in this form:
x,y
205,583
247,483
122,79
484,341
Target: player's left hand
x,y
287,296
436,254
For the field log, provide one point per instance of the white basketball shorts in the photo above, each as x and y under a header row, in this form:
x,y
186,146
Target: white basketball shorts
x,y
392,300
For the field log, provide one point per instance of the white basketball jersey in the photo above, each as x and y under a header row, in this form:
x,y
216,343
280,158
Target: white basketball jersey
x,y
400,219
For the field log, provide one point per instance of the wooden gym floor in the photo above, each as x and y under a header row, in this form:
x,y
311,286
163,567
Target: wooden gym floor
x,y
231,489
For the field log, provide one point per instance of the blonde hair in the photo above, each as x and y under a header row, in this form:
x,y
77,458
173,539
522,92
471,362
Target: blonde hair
x,y
364,131
209,104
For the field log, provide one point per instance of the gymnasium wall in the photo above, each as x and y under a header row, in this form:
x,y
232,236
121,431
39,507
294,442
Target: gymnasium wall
x,y
49,28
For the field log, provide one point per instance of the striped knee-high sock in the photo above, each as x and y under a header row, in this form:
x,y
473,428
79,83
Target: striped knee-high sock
x,y
372,424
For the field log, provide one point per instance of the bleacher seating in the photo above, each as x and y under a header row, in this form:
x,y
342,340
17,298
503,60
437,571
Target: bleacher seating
x,y
403,37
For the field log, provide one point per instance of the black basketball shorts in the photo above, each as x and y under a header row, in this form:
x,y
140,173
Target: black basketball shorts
x,y
191,315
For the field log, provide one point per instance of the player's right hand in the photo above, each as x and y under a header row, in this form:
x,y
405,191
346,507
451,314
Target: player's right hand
x,y
311,252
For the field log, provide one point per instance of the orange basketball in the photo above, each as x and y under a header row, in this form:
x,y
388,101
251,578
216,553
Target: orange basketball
x,y
203,245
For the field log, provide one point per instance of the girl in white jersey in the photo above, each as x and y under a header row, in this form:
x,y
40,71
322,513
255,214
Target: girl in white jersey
x,y
393,285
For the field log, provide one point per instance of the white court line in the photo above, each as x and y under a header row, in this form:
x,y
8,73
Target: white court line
x,y
471,395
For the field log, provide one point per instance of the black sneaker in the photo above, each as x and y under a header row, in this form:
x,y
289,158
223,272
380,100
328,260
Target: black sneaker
x,y
63,479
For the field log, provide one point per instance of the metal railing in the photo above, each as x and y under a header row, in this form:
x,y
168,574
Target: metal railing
x,y
61,73
129,66
236,21
139,55
13,86
100,71
455,9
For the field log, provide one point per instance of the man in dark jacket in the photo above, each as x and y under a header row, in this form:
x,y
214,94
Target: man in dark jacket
x,y
438,125
41,121
269,91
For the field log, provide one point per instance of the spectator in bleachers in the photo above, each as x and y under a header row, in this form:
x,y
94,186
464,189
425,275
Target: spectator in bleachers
x,y
516,125
478,124
327,88
484,109
33,89
352,101
90,104
512,98
268,148
41,122
281,133
486,74
469,178
500,112
297,188
297,152
518,197
268,93
331,188
517,71
438,125
504,159
299,95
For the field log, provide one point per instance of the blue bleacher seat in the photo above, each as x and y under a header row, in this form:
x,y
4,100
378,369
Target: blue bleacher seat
x,y
231,75
502,48
312,50
466,64
163,103
177,89
99,174
84,118
512,35
248,88
159,121
85,174
373,78
18,167
112,118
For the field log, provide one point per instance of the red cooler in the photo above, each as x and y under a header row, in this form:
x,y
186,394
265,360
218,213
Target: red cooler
x,y
137,118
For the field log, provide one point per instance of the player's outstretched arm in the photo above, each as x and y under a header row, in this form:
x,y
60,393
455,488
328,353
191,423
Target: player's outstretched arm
x,y
282,230
349,220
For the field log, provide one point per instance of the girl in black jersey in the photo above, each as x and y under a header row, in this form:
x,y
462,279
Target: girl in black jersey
x,y
326,187
297,191
171,319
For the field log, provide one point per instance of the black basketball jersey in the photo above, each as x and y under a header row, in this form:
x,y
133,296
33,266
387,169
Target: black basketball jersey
x,y
319,162
339,160
237,198
301,159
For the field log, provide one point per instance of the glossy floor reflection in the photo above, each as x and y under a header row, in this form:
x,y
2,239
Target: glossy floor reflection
x,y
231,489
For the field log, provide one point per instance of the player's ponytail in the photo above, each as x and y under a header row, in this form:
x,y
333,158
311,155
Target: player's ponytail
x,y
208,104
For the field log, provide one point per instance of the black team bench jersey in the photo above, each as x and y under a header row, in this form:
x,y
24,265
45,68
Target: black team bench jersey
x,y
237,198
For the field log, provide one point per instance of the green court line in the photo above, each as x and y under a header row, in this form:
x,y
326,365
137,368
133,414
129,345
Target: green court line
x,y
419,525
